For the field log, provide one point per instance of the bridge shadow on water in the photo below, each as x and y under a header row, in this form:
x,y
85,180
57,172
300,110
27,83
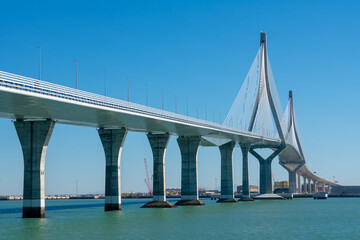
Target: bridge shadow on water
x,y
63,207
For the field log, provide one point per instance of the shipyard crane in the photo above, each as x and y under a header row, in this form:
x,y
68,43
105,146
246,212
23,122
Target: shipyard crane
x,y
148,180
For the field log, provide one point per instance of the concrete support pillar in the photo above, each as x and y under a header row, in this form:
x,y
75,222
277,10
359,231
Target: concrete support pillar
x,y
158,143
112,141
315,187
323,187
34,137
308,185
292,181
189,147
265,170
299,183
265,177
227,184
304,185
245,169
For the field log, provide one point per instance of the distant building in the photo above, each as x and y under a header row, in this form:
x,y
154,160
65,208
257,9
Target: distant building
x,y
202,192
208,192
253,189
173,191
281,184
345,189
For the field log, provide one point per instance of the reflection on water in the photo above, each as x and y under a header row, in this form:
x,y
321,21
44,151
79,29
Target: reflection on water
x,y
80,219
62,207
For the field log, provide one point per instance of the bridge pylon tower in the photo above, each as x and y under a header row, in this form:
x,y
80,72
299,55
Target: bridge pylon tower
x,y
266,92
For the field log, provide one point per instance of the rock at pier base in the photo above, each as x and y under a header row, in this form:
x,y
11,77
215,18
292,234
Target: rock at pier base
x,y
189,203
246,199
227,200
268,196
159,204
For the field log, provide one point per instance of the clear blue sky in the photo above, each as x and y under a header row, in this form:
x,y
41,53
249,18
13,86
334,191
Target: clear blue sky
x,y
200,51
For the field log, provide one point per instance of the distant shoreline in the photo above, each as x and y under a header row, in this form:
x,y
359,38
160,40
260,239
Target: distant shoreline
x,y
88,196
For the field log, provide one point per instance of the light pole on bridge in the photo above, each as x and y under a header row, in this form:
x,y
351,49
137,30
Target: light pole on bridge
x,y
39,62
76,63
105,82
128,89
162,100
176,104
197,111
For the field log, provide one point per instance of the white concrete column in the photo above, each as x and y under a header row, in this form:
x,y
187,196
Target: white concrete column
x,y
112,141
189,147
304,184
299,183
158,143
227,184
245,178
34,137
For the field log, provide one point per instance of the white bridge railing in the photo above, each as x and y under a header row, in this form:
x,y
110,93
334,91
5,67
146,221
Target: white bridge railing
x,y
14,81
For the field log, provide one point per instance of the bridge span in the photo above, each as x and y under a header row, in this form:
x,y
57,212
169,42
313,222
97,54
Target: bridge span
x,y
255,120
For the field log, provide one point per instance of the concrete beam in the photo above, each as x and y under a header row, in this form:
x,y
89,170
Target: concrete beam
x,y
265,169
292,176
189,147
227,183
112,141
34,137
158,143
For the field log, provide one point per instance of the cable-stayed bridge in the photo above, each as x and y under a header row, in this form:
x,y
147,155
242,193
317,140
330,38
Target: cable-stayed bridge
x,y
255,120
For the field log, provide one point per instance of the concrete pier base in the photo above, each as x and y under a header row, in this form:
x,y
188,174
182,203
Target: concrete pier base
x,y
227,184
246,199
159,204
189,147
227,200
189,203
34,137
112,141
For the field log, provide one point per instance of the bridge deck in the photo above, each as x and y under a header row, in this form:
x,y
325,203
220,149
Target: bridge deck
x,y
27,98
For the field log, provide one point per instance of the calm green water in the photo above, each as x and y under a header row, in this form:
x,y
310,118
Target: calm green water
x,y
85,219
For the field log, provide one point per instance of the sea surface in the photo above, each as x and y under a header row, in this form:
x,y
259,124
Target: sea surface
x,y
334,218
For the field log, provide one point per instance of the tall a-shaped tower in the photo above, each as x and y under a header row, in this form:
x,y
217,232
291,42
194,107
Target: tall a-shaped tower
x,y
257,109
268,95
292,158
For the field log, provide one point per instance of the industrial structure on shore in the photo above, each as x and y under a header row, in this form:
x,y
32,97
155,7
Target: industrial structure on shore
x,y
255,121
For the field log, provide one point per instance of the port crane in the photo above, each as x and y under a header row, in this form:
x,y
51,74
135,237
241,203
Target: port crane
x,y
148,180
